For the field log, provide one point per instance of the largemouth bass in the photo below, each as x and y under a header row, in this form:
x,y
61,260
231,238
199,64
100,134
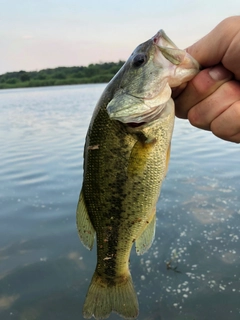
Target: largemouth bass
x,y
126,156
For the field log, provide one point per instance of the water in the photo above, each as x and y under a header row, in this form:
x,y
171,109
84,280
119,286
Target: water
x,y
45,270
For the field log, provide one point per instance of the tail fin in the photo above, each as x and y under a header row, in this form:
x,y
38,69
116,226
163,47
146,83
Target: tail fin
x,y
103,298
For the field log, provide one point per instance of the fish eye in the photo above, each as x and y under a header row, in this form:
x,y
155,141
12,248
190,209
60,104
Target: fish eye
x,y
139,60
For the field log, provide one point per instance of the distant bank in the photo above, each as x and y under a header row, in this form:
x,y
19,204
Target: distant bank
x,y
94,73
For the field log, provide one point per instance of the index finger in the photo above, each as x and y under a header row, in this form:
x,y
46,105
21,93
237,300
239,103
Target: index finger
x,y
221,45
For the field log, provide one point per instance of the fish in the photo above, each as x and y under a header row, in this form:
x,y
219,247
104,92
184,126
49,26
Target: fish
x,y
126,155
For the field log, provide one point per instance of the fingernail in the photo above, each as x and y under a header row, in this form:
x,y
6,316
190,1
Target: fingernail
x,y
220,73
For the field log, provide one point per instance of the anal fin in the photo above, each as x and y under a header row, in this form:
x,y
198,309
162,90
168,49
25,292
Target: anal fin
x,y
85,228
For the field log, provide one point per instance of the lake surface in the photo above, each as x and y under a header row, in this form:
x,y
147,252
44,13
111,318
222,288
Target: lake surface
x,y
45,270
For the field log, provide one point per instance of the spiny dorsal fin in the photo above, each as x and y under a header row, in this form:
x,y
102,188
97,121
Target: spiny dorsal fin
x,y
85,228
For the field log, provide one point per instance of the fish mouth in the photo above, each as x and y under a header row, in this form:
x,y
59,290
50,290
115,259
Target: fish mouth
x,y
162,40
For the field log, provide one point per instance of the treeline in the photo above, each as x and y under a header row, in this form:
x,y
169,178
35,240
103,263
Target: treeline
x,y
94,73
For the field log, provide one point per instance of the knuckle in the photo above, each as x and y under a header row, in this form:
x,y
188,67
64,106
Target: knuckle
x,y
227,125
196,119
231,89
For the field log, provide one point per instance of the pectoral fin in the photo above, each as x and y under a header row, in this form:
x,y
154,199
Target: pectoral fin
x,y
144,242
167,159
139,155
85,228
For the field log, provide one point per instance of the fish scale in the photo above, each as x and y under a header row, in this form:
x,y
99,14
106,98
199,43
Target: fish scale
x,y
126,156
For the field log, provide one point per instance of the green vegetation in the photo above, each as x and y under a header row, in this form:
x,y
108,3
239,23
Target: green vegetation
x,y
94,73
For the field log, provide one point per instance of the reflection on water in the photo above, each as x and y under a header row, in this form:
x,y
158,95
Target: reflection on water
x,y
44,269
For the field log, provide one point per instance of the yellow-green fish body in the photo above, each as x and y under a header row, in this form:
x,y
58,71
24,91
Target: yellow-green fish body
x,y
125,161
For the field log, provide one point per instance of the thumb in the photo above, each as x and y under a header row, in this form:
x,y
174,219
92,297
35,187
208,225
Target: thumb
x,y
201,86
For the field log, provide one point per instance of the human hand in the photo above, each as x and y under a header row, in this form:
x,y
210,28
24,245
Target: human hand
x,y
211,100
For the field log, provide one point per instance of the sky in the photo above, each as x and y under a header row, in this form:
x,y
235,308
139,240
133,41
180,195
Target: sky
x,y
40,34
